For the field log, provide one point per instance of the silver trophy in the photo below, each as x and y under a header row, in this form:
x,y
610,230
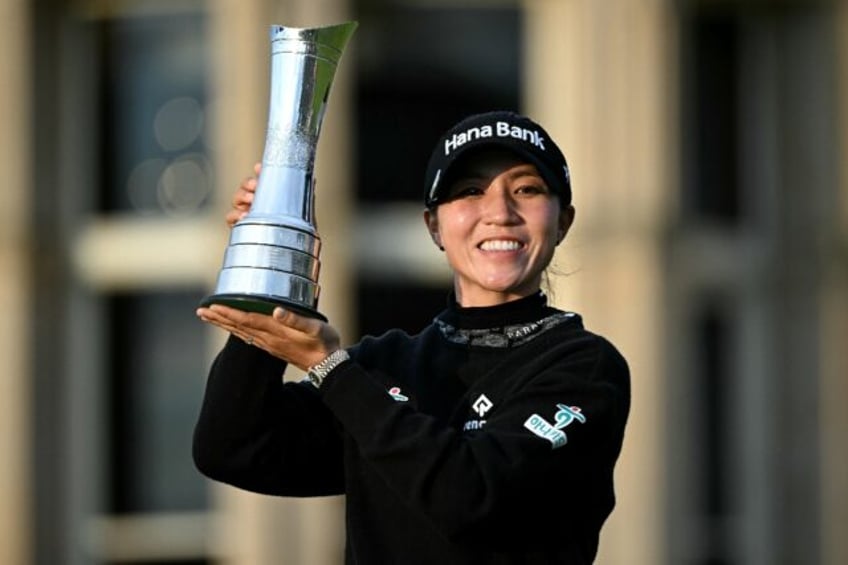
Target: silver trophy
x,y
272,256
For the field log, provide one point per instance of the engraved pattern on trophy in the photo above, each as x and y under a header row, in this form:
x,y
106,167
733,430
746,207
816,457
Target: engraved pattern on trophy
x,y
272,258
287,149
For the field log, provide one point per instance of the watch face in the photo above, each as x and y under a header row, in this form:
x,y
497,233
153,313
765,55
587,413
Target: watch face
x,y
314,379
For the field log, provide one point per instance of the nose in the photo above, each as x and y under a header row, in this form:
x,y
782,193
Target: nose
x,y
499,206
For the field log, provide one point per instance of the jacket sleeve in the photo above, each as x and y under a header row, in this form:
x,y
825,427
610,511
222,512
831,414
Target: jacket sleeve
x,y
260,434
550,444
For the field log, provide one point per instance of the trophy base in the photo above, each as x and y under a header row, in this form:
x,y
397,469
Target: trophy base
x,y
261,304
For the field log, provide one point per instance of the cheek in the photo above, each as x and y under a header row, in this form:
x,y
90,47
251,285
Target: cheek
x,y
548,224
454,223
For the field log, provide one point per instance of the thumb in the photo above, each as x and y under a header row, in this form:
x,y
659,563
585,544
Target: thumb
x,y
295,321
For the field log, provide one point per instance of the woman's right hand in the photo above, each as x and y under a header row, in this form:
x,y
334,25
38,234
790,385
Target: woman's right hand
x,y
243,198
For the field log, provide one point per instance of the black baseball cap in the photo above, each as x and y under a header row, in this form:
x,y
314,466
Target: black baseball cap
x,y
503,129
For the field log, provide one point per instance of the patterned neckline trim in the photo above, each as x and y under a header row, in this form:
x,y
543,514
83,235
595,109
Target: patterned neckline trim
x,y
502,337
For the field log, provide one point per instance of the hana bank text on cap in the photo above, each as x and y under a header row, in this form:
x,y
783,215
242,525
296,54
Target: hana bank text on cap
x,y
503,129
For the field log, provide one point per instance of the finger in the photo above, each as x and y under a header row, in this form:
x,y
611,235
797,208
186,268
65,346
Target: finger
x,y
225,325
252,323
243,197
244,194
249,335
296,321
229,318
211,316
257,168
234,216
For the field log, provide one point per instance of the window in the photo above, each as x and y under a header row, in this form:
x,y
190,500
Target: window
x,y
421,69
154,118
714,376
711,138
155,385
120,360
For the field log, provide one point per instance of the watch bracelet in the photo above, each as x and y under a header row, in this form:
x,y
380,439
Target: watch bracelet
x,y
318,372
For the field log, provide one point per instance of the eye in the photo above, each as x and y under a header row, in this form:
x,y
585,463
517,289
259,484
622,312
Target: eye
x,y
532,188
465,190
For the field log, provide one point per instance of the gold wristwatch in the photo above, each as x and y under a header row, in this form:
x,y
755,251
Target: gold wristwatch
x,y
318,372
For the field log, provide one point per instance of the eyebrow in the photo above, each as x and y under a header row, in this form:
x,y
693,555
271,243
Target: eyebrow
x,y
477,174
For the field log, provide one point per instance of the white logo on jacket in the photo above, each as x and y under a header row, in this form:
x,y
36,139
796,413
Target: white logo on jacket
x,y
482,405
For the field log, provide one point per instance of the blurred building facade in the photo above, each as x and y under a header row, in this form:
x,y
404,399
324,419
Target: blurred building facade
x,y
706,140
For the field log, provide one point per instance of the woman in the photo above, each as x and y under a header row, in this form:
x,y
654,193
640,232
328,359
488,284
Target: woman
x,y
491,436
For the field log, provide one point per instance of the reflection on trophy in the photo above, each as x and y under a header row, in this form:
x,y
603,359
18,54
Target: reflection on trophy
x,y
272,256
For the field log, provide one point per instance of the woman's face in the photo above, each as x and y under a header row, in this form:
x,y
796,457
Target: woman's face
x,y
499,226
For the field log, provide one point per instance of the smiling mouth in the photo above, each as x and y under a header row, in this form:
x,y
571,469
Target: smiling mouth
x,y
500,245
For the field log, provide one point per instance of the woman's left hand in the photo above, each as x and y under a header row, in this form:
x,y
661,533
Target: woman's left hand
x,y
298,340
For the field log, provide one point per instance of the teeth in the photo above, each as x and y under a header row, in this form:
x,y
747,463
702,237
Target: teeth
x,y
500,245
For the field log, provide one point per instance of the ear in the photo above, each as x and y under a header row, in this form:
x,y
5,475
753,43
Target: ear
x,y
566,218
431,220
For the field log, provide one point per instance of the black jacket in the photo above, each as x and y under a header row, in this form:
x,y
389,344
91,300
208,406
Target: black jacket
x,y
489,438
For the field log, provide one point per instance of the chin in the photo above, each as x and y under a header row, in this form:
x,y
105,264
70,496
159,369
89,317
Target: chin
x,y
508,285
509,291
